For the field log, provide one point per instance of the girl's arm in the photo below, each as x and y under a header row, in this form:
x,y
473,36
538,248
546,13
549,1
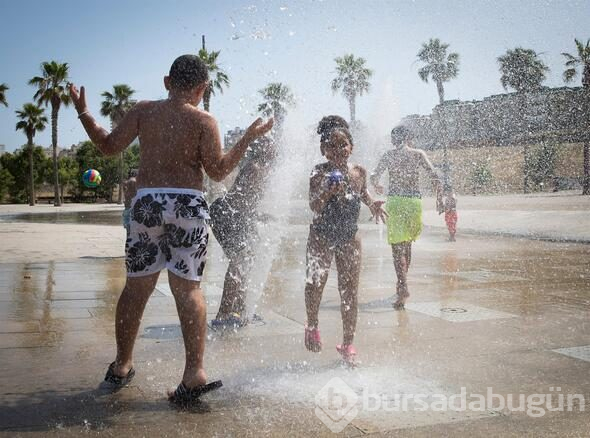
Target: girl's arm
x,y
319,192
376,207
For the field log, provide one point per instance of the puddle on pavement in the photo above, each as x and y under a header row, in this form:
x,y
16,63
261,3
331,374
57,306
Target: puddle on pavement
x,y
78,217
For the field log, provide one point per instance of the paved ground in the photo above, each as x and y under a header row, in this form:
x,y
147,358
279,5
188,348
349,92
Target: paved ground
x,y
503,311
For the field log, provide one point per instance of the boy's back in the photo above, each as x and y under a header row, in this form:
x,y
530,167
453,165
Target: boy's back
x,y
174,137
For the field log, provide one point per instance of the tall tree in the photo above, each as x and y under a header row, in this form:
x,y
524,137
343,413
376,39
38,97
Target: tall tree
x,y
32,119
277,99
352,80
3,88
522,70
114,106
52,89
572,62
218,79
439,65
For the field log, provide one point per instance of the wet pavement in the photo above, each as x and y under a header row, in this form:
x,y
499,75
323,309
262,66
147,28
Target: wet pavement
x,y
506,313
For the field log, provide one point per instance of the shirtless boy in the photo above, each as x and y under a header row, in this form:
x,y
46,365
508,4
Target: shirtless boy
x,y
404,205
167,229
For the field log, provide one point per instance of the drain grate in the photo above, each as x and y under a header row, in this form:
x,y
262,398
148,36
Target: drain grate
x,y
453,310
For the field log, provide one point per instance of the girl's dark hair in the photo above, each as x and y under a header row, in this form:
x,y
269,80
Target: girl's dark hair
x,y
399,134
328,124
188,71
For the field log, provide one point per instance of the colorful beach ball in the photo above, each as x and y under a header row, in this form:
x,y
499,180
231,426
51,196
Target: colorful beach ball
x,y
91,178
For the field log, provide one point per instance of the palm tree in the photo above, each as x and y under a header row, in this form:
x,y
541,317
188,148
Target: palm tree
x,y
569,74
32,120
573,62
277,98
114,106
353,79
217,77
439,66
52,89
3,88
522,70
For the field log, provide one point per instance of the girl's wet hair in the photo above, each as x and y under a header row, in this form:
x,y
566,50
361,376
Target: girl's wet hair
x,y
329,125
399,134
187,72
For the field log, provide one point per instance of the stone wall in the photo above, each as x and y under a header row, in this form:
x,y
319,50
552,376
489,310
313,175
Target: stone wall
x,y
504,119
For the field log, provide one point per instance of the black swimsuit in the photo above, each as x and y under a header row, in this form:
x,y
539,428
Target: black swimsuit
x,y
337,222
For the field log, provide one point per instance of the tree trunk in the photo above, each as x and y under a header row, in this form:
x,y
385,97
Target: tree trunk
x,y
121,178
441,92
352,105
586,115
54,112
31,173
206,99
586,180
526,167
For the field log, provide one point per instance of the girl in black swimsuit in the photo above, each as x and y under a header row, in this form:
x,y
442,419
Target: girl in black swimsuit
x,y
337,189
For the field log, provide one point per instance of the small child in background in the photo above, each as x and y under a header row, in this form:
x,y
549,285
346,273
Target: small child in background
x,y
450,207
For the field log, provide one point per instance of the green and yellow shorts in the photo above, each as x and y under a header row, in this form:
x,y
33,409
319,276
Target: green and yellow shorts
x,y
404,223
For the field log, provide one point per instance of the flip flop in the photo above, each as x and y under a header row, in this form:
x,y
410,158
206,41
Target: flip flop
x,y
118,380
184,396
233,322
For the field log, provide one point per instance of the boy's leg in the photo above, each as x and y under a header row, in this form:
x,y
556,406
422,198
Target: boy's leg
x,y
400,252
130,309
348,263
235,284
408,251
192,312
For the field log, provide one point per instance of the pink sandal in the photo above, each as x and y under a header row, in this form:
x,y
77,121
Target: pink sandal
x,y
348,353
312,339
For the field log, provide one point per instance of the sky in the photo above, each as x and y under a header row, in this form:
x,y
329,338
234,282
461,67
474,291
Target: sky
x,y
134,42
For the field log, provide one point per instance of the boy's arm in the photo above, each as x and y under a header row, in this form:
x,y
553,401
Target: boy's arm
x,y
217,164
376,175
436,184
108,143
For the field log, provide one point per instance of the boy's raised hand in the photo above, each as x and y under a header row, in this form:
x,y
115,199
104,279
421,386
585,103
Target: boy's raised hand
x,y
258,128
78,98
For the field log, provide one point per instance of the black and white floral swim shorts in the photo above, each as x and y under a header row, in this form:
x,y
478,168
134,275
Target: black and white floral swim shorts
x,y
167,230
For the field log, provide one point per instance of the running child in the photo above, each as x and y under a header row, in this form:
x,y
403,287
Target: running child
x,y
336,190
404,203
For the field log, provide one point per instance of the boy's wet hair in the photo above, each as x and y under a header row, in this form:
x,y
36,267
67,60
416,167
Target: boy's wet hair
x,y
399,134
132,173
328,125
187,72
